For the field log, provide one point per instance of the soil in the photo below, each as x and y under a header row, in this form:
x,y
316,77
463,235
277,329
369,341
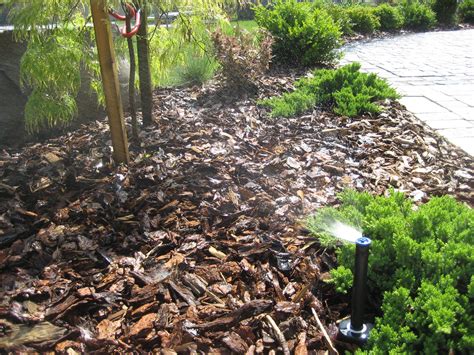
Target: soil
x,y
199,243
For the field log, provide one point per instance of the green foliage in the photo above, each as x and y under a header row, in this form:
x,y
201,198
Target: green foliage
x,y
341,18
183,51
445,11
196,69
342,279
248,25
420,270
50,67
346,90
466,11
389,17
417,16
363,19
61,44
302,34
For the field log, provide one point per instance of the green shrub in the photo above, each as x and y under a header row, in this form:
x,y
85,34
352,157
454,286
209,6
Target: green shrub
x,y
417,16
302,35
421,270
389,17
445,11
346,91
466,11
341,18
363,19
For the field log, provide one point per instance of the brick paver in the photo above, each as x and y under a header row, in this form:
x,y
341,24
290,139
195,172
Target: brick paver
x,y
434,72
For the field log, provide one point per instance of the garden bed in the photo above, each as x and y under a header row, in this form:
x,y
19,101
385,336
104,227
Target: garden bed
x,y
199,239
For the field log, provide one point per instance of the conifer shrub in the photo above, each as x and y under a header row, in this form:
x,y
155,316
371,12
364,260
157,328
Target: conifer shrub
x,y
302,34
466,11
417,16
421,269
346,90
363,19
389,17
445,11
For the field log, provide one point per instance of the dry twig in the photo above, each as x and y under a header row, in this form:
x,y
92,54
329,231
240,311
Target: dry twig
x,y
279,335
325,333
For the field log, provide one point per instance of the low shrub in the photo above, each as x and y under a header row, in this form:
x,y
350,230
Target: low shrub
x,y
341,18
421,269
445,11
346,91
243,58
389,17
417,16
466,11
363,19
302,34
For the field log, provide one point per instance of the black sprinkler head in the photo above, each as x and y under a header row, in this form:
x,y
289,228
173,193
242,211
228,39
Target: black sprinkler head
x,y
354,330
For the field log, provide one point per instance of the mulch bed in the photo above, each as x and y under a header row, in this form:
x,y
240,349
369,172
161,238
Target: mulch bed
x,y
198,244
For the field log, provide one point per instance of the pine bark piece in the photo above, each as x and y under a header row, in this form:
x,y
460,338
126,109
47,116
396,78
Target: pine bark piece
x,y
184,293
143,326
22,334
235,343
195,283
248,310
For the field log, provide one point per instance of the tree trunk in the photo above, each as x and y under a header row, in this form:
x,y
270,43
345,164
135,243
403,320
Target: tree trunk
x,y
131,82
144,65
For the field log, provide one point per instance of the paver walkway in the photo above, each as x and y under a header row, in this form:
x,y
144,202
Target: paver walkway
x,y
434,72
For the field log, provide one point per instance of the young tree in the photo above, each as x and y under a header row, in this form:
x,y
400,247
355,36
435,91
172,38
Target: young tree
x,y
60,44
144,64
131,78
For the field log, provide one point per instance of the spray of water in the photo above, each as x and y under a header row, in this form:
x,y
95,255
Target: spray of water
x,y
343,231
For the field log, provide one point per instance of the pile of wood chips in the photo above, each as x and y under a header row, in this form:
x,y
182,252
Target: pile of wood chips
x,y
198,245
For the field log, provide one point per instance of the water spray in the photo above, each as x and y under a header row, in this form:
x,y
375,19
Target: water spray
x,y
354,330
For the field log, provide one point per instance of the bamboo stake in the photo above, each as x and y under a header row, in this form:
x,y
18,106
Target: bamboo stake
x,y
110,82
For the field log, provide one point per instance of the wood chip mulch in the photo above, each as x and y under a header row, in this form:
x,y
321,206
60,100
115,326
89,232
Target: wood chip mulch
x,y
197,245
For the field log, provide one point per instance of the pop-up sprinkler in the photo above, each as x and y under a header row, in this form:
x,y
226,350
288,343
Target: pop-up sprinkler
x,y
354,329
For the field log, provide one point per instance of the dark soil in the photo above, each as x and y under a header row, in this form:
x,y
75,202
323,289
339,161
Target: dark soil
x,y
198,244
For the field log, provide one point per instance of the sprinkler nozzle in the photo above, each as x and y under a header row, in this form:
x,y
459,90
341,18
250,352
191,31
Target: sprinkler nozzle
x,y
354,330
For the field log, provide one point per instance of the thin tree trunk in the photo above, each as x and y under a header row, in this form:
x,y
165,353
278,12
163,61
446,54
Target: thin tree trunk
x,y
144,65
131,82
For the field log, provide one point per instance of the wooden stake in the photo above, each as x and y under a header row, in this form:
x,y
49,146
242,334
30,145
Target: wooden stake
x,y
110,82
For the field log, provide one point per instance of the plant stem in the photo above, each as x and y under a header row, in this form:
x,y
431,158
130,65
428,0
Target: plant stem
x,y
144,65
131,82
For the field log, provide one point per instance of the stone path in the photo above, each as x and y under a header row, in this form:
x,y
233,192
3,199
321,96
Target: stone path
x,y
434,72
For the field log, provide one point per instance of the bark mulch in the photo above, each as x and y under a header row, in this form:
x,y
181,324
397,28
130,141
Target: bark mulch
x,y
198,244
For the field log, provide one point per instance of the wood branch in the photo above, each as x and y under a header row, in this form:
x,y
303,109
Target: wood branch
x,y
248,310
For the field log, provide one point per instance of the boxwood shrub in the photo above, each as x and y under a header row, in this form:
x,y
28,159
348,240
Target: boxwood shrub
x,y
302,34
389,17
445,11
421,270
466,11
363,19
417,16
